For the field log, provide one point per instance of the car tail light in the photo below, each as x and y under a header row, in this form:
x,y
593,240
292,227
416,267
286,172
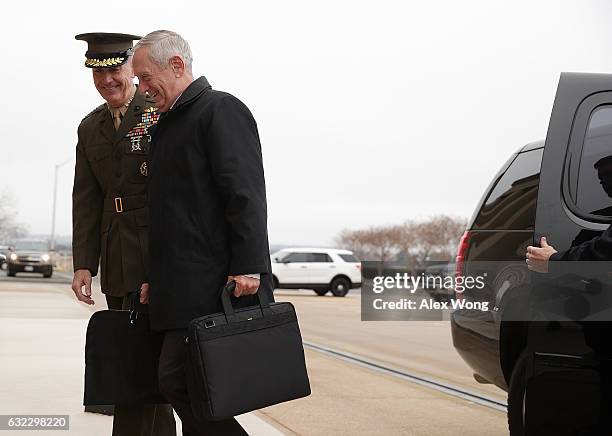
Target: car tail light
x,y
462,252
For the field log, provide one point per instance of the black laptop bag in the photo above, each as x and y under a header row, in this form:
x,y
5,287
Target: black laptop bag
x,y
245,359
122,357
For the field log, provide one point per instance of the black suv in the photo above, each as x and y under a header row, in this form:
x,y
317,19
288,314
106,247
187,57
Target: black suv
x,y
557,371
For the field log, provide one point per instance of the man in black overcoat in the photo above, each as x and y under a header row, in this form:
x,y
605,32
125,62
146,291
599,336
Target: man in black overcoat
x,y
207,202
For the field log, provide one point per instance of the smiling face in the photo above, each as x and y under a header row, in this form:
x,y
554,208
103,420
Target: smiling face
x,y
114,84
162,84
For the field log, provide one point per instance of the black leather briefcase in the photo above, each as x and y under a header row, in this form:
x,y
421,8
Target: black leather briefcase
x,y
122,358
245,359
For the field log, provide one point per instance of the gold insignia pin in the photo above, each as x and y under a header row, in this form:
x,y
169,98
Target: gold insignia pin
x,y
144,170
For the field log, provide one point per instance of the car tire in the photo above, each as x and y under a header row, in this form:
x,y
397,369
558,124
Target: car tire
x,y
340,286
274,283
516,396
321,292
48,275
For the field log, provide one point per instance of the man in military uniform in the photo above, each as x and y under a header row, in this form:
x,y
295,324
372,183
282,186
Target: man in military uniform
x,y
110,214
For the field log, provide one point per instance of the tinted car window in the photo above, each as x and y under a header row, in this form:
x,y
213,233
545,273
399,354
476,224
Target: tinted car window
x,y
511,205
297,257
320,257
594,190
351,258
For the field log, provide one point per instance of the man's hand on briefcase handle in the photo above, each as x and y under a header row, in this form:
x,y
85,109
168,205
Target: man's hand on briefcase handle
x,y
244,285
82,278
144,293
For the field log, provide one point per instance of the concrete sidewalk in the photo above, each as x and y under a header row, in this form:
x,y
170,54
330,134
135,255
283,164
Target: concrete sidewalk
x,y
42,339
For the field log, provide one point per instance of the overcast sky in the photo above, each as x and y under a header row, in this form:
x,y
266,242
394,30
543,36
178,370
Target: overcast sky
x,y
369,112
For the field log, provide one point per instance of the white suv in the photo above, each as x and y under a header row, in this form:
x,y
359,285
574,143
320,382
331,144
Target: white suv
x,y
320,269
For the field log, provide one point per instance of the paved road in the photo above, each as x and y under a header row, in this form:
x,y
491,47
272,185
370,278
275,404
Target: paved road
x,y
41,366
422,347
42,337
351,400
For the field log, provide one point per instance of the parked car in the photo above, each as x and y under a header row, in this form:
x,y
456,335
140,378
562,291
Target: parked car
x,y
319,269
4,253
556,372
436,273
30,256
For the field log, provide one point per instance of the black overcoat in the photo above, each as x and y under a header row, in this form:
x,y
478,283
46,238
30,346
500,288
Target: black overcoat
x,y
207,203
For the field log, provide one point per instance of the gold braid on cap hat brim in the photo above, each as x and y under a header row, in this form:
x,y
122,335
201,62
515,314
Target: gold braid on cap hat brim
x,y
101,63
105,60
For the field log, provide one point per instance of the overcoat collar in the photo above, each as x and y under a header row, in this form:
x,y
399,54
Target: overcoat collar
x,y
192,92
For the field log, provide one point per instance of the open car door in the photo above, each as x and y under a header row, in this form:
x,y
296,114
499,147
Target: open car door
x,y
568,389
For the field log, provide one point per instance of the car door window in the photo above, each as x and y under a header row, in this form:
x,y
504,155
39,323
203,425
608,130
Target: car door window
x,y
511,205
297,257
594,188
350,258
321,257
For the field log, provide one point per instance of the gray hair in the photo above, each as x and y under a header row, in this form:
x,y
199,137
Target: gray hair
x,y
163,44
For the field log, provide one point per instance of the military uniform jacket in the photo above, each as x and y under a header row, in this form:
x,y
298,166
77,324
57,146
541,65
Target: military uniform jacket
x,y
109,198
207,198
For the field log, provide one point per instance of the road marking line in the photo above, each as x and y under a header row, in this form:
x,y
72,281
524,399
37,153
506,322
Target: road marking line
x,y
454,391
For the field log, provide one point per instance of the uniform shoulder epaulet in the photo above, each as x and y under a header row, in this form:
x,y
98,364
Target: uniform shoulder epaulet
x,y
96,110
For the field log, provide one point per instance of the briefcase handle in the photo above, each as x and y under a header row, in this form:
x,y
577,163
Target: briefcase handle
x,y
135,306
264,304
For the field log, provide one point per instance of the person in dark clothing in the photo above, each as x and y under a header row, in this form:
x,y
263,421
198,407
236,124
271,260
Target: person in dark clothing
x,y
588,244
208,218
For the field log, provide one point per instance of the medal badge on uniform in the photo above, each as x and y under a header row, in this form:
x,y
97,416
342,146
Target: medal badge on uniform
x,y
148,118
141,130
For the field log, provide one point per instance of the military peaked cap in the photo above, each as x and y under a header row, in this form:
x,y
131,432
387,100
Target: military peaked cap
x,y
107,50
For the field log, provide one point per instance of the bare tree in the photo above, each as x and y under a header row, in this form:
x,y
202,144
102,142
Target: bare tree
x,y
407,238
438,236
375,243
383,242
353,240
417,241
9,227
